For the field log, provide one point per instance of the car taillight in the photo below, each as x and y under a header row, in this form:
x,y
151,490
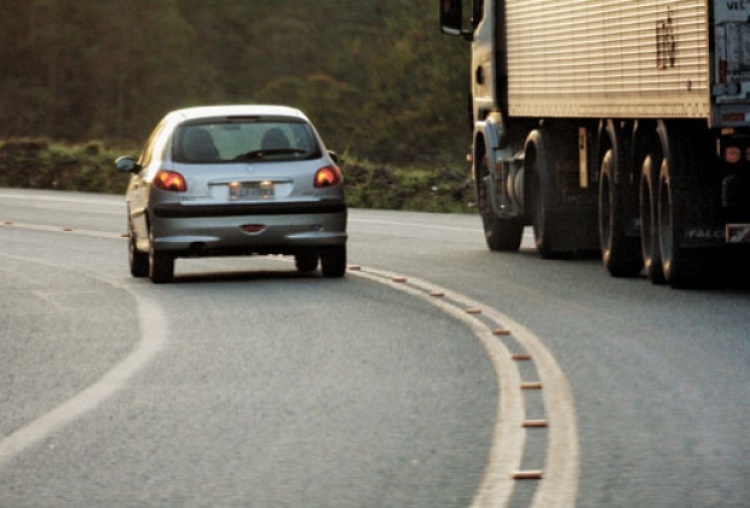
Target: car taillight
x,y
328,176
170,181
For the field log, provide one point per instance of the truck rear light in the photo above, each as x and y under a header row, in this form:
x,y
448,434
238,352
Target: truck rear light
x,y
170,181
733,117
732,154
328,176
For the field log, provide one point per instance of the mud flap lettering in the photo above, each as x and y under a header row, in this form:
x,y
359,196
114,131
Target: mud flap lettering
x,y
738,233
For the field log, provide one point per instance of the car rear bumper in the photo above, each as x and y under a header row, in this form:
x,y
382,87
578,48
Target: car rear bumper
x,y
178,210
243,229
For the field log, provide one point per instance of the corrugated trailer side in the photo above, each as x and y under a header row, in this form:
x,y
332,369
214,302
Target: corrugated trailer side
x,y
622,125
608,58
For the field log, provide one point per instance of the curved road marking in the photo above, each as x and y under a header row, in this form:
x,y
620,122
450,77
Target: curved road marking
x,y
154,331
560,484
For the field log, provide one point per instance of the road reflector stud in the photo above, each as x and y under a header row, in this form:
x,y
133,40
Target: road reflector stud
x,y
500,331
531,386
535,424
399,280
521,358
533,474
125,235
67,229
8,222
355,268
437,294
473,311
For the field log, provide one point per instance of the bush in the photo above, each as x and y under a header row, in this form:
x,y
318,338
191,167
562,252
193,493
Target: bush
x,y
43,164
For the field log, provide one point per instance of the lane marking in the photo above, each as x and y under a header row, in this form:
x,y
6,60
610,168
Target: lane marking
x,y
59,229
528,233
506,449
154,332
559,487
77,200
383,222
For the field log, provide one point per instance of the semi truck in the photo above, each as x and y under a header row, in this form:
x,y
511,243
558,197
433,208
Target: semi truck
x,y
612,126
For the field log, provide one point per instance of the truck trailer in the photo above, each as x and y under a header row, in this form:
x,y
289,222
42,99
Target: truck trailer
x,y
619,126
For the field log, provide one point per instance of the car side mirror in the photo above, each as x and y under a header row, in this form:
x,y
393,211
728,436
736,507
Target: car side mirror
x,y
127,164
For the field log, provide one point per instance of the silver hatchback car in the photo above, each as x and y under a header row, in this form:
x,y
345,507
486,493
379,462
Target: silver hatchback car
x,y
234,180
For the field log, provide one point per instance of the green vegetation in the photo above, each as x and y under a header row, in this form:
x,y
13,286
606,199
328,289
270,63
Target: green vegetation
x,y
41,164
89,167
375,76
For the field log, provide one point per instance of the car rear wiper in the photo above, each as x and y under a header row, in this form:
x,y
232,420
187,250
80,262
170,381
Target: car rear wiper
x,y
260,154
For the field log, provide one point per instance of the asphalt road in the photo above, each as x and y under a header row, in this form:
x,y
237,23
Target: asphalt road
x,y
428,377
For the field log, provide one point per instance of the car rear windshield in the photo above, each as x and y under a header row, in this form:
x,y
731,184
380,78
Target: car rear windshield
x,y
244,140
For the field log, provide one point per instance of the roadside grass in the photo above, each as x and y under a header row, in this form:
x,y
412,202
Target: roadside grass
x,y
89,167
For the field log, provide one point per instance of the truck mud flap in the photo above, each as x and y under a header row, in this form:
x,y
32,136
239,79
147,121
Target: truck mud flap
x,y
574,231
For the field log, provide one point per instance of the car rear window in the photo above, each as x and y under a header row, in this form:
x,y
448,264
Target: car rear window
x,y
244,140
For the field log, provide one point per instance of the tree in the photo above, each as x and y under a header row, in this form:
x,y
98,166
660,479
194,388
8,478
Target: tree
x,y
374,75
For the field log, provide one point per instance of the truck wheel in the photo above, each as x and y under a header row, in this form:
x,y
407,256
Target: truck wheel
x,y
620,254
160,264
500,234
539,213
652,263
682,267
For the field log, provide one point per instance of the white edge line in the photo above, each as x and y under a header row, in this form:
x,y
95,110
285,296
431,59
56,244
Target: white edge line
x,y
509,436
559,488
154,332
561,475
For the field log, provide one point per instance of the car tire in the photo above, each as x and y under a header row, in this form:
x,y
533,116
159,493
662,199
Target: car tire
x,y
138,261
160,265
333,262
306,261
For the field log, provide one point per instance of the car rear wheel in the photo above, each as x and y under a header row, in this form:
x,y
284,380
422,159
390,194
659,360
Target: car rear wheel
x,y
160,264
333,262
306,261
138,261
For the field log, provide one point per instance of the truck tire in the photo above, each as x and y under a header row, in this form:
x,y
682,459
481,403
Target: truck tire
x,y
651,253
539,212
500,234
682,267
539,154
621,254
675,263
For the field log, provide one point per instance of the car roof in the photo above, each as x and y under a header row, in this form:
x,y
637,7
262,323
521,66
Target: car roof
x,y
199,112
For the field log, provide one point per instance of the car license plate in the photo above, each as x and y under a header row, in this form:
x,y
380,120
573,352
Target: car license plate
x,y
244,191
